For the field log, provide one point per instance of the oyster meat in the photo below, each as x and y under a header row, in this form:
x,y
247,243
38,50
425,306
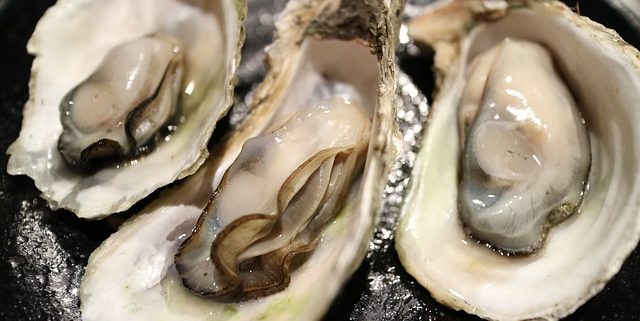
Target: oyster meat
x,y
124,131
298,176
117,111
530,149
520,124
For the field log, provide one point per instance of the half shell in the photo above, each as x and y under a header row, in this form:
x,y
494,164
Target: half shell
x,y
69,42
580,254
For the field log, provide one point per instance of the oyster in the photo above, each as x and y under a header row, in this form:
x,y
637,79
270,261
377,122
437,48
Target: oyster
x,y
124,131
298,176
587,210
520,123
323,78
116,112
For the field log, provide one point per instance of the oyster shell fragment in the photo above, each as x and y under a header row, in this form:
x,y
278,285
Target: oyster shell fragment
x,y
579,255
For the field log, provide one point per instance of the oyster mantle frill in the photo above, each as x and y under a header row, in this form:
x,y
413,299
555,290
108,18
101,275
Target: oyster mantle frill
x,y
579,254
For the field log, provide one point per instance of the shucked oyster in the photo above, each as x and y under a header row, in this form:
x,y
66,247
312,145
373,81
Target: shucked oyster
x,y
294,205
298,176
129,92
518,124
124,104
520,92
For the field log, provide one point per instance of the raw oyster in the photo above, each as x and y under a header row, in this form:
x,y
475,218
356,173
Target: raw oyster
x,y
321,57
124,104
518,122
298,177
70,42
580,254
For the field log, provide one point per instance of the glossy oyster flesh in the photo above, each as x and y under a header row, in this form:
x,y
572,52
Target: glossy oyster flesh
x,y
124,104
519,124
458,228
298,177
312,77
124,131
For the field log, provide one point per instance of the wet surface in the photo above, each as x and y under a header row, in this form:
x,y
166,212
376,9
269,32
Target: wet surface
x,y
44,252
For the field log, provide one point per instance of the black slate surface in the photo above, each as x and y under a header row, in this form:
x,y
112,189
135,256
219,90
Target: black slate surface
x,y
43,252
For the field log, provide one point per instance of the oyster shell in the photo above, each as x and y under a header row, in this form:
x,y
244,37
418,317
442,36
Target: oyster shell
x,y
70,41
320,53
580,254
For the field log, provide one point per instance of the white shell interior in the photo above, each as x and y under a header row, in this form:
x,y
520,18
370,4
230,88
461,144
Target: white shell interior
x,y
132,276
580,254
69,42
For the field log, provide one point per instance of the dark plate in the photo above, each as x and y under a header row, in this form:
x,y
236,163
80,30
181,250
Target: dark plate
x,y
43,253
